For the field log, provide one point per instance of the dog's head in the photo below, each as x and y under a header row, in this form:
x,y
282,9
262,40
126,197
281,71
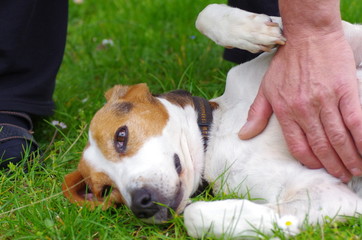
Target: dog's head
x,y
135,156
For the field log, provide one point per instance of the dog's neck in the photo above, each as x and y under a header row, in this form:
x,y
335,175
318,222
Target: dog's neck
x,y
204,110
203,107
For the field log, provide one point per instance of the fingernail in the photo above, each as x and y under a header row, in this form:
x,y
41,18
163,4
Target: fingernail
x,y
356,172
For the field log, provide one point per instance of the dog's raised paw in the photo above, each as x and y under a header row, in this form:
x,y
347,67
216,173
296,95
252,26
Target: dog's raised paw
x,y
235,28
262,33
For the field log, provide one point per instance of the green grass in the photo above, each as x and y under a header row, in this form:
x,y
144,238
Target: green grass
x,y
154,42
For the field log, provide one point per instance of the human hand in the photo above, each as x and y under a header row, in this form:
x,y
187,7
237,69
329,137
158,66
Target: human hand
x,y
311,86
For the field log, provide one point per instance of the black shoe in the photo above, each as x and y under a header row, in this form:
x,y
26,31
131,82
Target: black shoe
x,y
16,139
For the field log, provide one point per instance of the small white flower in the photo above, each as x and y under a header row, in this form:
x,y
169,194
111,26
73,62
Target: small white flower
x,y
108,42
55,122
62,125
289,224
59,124
78,1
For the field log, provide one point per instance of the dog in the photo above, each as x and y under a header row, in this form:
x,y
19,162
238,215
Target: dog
x,y
151,152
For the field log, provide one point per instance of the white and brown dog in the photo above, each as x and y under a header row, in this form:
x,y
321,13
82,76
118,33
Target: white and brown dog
x,y
147,151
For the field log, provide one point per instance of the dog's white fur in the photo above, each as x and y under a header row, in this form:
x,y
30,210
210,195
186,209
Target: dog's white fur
x,y
284,192
261,167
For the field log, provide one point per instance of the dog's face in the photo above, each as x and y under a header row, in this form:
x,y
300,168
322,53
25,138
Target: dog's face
x,y
134,157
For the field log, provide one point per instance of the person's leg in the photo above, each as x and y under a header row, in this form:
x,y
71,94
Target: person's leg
x,y
268,7
32,42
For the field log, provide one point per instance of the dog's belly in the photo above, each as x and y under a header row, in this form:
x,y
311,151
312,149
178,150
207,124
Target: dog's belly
x,y
258,167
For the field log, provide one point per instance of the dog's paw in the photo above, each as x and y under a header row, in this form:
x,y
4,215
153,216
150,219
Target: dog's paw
x,y
261,32
236,28
228,219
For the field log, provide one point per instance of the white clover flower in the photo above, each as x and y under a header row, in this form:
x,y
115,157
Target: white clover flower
x,y
289,224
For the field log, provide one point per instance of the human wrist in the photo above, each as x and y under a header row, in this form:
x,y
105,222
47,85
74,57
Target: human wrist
x,y
310,18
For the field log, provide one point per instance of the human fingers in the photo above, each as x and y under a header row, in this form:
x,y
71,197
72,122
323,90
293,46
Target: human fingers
x,y
350,109
298,144
342,143
258,117
323,142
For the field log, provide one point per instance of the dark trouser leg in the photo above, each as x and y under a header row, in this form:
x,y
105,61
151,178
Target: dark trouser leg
x,y
32,40
268,7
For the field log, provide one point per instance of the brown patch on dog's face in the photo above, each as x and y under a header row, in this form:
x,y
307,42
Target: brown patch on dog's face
x,y
87,187
99,184
123,108
133,108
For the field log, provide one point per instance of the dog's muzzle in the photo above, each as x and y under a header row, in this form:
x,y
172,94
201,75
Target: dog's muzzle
x,y
151,206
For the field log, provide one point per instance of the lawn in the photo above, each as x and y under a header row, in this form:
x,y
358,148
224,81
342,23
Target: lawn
x,y
119,42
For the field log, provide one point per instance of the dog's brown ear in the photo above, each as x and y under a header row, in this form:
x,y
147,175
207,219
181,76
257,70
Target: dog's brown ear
x,y
134,93
75,189
138,93
116,92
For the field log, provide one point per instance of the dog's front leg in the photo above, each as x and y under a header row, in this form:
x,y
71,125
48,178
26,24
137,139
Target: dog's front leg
x,y
233,27
233,218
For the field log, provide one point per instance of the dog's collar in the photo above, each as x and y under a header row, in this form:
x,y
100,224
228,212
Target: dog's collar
x,y
204,119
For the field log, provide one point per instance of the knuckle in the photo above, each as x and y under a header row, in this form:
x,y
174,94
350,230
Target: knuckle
x,y
299,102
298,150
253,109
320,148
338,139
344,88
352,120
301,106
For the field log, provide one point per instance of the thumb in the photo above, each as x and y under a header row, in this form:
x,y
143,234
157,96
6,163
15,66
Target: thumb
x,y
258,117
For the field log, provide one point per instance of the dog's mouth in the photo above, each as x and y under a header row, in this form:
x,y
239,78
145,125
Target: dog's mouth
x,y
107,194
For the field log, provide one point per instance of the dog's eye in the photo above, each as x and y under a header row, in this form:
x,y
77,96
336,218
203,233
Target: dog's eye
x,y
121,139
177,164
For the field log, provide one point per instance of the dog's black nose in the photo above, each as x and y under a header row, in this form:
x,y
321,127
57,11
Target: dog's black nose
x,y
144,203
